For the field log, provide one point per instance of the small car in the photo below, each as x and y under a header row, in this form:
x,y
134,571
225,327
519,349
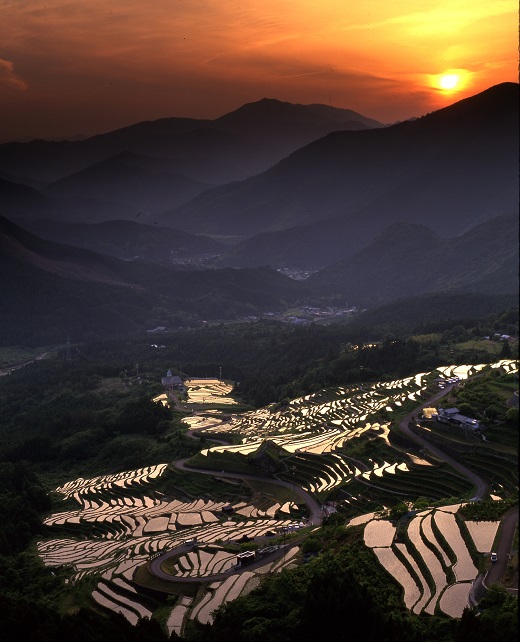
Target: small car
x,y
494,557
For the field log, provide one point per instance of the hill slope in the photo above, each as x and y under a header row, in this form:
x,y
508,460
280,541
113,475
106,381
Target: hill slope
x,y
407,260
129,240
129,179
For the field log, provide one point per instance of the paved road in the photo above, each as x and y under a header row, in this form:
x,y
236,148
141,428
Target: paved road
x,y
505,544
481,486
155,565
315,519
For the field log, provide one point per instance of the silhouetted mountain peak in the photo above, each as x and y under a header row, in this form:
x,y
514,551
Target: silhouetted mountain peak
x,y
271,110
484,109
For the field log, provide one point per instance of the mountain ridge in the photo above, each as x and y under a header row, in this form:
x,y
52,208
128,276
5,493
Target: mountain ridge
x,y
214,151
439,164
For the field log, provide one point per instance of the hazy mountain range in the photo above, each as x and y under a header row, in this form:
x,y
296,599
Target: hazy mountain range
x,y
379,212
232,147
449,170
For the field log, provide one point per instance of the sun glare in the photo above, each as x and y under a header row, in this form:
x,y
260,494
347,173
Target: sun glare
x,y
449,81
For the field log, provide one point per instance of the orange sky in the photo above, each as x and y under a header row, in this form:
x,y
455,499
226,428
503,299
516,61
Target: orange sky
x,y
81,67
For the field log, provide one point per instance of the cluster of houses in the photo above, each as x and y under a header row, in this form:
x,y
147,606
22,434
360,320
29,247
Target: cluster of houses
x,y
452,416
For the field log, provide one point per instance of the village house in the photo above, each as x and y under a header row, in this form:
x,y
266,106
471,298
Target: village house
x,y
172,382
453,416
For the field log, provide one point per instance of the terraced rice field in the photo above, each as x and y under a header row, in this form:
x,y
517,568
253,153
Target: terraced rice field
x,y
208,391
403,561
483,534
324,423
122,520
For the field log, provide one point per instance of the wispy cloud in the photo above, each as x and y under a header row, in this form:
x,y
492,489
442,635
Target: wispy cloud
x,y
307,73
8,78
99,63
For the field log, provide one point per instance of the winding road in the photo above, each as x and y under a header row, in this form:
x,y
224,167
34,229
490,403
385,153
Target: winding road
x,y
315,519
482,487
509,524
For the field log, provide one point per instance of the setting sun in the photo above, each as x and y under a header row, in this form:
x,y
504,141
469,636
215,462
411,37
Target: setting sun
x,y
449,81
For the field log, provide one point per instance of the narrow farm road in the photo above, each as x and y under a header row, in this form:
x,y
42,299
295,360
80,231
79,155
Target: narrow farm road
x,y
503,550
481,486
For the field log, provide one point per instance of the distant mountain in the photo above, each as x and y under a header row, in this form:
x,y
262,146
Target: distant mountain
x,y
21,201
242,143
51,291
391,211
129,240
408,259
448,170
129,179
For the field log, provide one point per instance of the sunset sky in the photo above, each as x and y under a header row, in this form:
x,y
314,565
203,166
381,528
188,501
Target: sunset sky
x,y
72,67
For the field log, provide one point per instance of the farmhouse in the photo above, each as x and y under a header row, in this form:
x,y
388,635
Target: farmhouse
x,y
453,416
172,382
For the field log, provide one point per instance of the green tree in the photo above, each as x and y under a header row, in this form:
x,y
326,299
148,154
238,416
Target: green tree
x,y
505,351
492,412
467,409
311,545
398,510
